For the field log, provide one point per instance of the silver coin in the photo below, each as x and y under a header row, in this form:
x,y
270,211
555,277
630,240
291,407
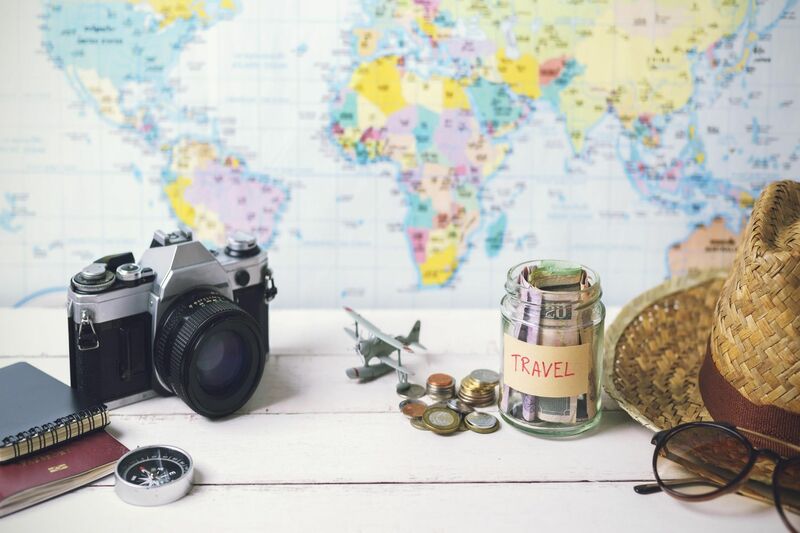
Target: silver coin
x,y
485,375
441,396
413,391
481,420
457,405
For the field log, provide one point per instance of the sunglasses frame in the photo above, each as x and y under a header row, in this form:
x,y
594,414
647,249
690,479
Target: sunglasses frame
x,y
662,437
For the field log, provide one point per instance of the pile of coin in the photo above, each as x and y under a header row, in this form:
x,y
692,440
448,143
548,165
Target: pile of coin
x,y
478,389
441,386
449,415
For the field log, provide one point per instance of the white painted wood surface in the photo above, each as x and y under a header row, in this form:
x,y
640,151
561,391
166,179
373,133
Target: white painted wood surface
x,y
313,451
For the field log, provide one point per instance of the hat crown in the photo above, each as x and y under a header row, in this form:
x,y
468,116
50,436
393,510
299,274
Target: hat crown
x,y
773,232
755,337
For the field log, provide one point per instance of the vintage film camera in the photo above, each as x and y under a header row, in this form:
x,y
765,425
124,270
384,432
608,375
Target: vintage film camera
x,y
184,320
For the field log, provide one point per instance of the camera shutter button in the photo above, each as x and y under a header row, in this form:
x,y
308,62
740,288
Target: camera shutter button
x,y
129,272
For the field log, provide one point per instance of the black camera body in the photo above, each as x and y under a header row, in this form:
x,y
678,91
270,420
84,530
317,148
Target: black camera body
x,y
184,320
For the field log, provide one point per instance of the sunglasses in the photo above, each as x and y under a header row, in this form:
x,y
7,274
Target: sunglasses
x,y
700,461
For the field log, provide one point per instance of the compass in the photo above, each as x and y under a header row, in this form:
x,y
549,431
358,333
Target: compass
x,y
153,475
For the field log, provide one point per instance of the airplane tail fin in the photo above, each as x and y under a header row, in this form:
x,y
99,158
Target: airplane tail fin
x,y
413,335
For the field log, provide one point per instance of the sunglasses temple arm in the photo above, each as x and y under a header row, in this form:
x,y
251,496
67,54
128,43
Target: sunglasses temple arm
x,y
652,488
647,488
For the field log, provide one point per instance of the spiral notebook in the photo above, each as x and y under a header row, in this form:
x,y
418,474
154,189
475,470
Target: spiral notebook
x,y
38,411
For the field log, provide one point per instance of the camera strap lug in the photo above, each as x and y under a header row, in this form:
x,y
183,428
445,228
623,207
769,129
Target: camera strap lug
x,y
87,340
270,290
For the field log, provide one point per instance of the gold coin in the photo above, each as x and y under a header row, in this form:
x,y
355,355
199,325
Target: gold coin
x,y
419,424
441,420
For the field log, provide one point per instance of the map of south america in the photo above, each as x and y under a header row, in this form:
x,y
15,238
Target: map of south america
x,y
119,56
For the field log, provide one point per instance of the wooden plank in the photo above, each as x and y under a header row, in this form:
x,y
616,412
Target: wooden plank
x,y
316,451
296,383
302,376
596,507
384,447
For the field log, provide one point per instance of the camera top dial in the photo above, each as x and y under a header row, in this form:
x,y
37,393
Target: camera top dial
x,y
241,244
93,278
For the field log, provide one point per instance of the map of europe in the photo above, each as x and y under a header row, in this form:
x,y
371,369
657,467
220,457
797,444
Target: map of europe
x,y
395,152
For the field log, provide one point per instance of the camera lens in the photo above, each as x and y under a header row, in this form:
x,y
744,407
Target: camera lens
x,y
220,362
210,353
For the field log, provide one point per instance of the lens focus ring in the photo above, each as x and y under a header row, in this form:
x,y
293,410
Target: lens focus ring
x,y
185,323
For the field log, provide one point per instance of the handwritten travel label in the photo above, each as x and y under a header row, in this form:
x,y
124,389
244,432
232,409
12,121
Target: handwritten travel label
x,y
549,371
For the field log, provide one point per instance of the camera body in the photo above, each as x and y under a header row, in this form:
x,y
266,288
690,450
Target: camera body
x,y
184,319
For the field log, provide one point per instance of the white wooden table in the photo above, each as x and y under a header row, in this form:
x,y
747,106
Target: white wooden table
x,y
313,451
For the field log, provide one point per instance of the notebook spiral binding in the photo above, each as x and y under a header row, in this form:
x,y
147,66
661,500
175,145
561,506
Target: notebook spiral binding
x,y
36,437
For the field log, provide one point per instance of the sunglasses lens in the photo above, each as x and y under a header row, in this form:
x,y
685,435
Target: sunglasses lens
x,y
698,461
789,490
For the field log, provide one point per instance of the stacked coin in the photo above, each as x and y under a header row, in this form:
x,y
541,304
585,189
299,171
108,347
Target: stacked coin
x,y
441,386
478,389
481,422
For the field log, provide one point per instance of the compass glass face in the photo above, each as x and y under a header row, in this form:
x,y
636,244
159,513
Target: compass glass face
x,y
153,467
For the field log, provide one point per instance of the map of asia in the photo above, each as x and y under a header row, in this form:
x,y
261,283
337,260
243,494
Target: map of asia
x,y
393,153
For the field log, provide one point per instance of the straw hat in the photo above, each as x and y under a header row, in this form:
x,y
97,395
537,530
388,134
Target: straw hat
x,y
720,345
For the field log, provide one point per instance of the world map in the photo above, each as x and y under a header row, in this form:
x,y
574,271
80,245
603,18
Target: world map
x,y
394,152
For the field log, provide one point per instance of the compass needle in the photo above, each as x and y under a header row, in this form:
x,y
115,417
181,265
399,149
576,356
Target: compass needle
x,y
154,475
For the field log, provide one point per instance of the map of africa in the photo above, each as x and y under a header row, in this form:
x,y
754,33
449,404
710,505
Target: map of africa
x,y
393,153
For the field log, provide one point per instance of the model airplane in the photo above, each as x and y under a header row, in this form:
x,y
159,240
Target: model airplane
x,y
380,346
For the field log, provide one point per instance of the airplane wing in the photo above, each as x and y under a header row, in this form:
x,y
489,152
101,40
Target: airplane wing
x,y
385,359
372,328
391,341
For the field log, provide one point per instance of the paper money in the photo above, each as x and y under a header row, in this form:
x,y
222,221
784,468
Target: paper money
x,y
550,320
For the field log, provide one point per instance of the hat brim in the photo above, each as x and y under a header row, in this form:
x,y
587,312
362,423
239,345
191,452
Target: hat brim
x,y
655,347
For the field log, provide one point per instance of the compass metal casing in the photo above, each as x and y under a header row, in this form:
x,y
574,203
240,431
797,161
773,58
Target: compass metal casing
x,y
150,496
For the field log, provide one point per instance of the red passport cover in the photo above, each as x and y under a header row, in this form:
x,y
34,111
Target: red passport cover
x,y
59,462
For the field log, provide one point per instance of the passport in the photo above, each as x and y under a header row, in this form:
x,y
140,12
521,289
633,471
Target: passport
x,y
56,470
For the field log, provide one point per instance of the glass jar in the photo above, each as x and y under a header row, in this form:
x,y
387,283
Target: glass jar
x,y
552,320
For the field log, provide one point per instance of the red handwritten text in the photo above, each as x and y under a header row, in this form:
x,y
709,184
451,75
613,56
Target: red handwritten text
x,y
541,369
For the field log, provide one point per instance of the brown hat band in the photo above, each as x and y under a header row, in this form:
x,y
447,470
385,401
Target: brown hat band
x,y
726,404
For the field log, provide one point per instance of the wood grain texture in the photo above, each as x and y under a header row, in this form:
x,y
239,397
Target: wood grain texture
x,y
315,451
564,507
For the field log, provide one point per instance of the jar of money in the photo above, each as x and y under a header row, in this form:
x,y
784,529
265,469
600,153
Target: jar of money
x,y
552,320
